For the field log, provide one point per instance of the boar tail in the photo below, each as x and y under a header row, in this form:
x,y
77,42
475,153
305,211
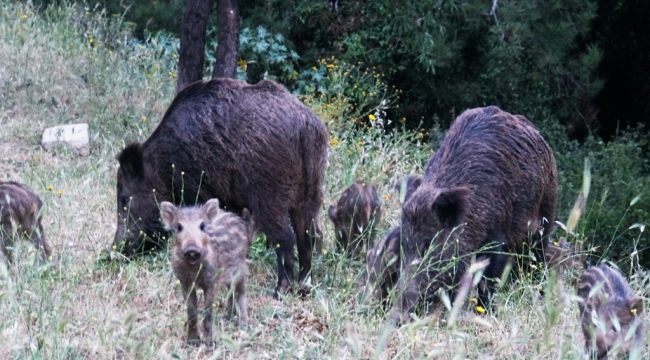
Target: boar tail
x,y
313,146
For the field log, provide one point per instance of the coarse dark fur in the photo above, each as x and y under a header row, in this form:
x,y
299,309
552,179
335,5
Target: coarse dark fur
x,y
490,184
355,218
209,252
382,265
609,309
20,211
253,146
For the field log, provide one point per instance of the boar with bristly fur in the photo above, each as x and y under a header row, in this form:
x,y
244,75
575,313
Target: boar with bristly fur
x,y
383,260
490,184
355,218
20,211
250,146
208,253
609,311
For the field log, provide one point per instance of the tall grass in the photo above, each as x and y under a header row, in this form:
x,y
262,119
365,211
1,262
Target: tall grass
x,y
72,64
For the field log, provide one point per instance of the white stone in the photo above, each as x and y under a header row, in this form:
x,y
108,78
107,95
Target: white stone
x,y
75,135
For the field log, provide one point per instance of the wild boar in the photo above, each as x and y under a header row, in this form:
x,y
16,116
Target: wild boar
x,y
609,311
492,181
383,260
562,257
21,212
250,146
209,252
355,218
382,265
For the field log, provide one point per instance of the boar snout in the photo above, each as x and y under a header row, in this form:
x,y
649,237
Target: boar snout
x,y
192,255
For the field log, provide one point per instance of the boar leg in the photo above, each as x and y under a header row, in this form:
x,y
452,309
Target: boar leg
x,y
278,230
40,242
307,234
240,301
494,270
6,239
208,298
192,317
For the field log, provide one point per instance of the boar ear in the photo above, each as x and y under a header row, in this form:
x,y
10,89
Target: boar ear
x,y
636,306
332,213
450,206
167,214
407,186
212,208
246,215
131,163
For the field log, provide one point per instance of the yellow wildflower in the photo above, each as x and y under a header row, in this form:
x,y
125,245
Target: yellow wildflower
x,y
556,243
50,187
143,118
474,300
480,309
61,191
372,117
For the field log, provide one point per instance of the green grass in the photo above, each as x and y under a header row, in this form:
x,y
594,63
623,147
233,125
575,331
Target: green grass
x,y
82,307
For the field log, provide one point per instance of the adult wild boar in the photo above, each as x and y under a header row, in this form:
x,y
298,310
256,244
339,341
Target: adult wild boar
x,y
491,183
250,146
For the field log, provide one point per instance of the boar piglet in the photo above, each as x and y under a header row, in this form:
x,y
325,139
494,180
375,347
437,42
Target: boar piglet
x,y
561,256
20,211
356,216
209,252
609,311
382,265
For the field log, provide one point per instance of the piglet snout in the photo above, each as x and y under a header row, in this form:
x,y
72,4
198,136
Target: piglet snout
x,y
192,255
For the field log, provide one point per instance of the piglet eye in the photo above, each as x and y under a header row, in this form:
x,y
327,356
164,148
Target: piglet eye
x,y
202,227
179,228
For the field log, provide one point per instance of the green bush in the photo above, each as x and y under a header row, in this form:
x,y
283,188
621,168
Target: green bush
x,y
619,199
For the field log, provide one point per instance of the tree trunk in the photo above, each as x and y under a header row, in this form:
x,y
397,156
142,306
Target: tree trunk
x,y
192,52
227,39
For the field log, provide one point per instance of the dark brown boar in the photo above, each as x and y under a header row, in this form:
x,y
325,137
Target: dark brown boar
x,y
490,184
253,146
382,265
209,252
609,311
20,209
355,218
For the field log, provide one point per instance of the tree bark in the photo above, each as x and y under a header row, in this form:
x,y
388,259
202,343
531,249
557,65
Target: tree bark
x,y
192,51
227,39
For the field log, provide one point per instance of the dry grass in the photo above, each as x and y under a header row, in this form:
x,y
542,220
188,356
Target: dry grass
x,y
82,307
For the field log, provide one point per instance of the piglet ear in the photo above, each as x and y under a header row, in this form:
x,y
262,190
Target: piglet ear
x,y
636,306
212,208
407,186
131,163
246,215
168,214
332,213
451,206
